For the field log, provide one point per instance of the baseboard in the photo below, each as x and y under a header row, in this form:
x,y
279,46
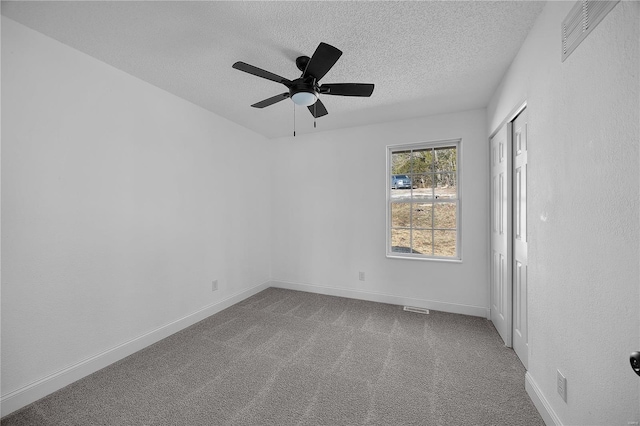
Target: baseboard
x,y
542,405
19,398
477,311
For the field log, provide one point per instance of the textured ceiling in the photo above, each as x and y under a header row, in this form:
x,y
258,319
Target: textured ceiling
x,y
423,57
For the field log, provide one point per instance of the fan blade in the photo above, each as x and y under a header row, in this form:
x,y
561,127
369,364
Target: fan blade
x,y
318,109
261,73
347,89
272,100
322,60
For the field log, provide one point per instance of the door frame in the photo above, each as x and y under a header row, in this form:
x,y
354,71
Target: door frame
x,y
507,121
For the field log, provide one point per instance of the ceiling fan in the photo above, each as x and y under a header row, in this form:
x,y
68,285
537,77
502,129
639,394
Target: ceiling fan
x,y
305,90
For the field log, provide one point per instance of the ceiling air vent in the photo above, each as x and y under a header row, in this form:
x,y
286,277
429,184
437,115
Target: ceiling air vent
x,y
583,18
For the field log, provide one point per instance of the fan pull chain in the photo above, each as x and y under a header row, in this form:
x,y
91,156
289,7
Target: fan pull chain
x,y
294,120
315,115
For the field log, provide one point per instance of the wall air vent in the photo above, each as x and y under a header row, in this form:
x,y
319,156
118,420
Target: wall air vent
x,y
583,18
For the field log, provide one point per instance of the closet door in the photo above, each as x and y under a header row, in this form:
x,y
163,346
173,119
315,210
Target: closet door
x,y
520,335
501,291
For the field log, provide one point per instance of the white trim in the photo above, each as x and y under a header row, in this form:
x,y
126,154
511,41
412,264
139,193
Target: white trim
x,y
542,405
489,211
25,395
430,144
476,311
510,117
409,256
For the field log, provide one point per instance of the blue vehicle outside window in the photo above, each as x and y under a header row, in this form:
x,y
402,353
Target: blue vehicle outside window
x,y
400,182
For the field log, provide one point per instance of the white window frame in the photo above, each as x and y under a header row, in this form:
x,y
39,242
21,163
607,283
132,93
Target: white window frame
x,y
416,146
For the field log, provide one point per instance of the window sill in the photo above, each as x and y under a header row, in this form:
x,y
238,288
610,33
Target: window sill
x,y
429,259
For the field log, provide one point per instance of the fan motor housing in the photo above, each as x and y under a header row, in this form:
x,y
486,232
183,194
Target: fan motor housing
x,y
302,85
302,62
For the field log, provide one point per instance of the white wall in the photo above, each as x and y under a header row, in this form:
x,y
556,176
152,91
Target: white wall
x,y
329,215
583,211
121,203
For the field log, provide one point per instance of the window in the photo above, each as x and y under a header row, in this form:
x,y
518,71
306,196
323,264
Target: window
x,y
423,200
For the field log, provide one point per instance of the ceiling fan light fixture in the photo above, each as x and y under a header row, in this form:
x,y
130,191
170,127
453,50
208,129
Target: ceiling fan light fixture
x,y
305,90
304,98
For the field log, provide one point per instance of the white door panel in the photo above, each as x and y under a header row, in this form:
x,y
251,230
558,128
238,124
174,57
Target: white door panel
x,y
520,335
500,233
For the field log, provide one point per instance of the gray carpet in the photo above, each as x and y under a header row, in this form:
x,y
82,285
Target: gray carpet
x,y
284,357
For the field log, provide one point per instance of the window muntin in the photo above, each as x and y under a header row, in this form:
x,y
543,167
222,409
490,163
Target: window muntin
x,y
424,217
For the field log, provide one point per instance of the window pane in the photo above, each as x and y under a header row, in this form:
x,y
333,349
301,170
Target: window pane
x,y
400,215
400,241
401,195
446,185
422,215
423,187
445,215
401,181
422,243
401,162
422,161
445,243
445,159
423,180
